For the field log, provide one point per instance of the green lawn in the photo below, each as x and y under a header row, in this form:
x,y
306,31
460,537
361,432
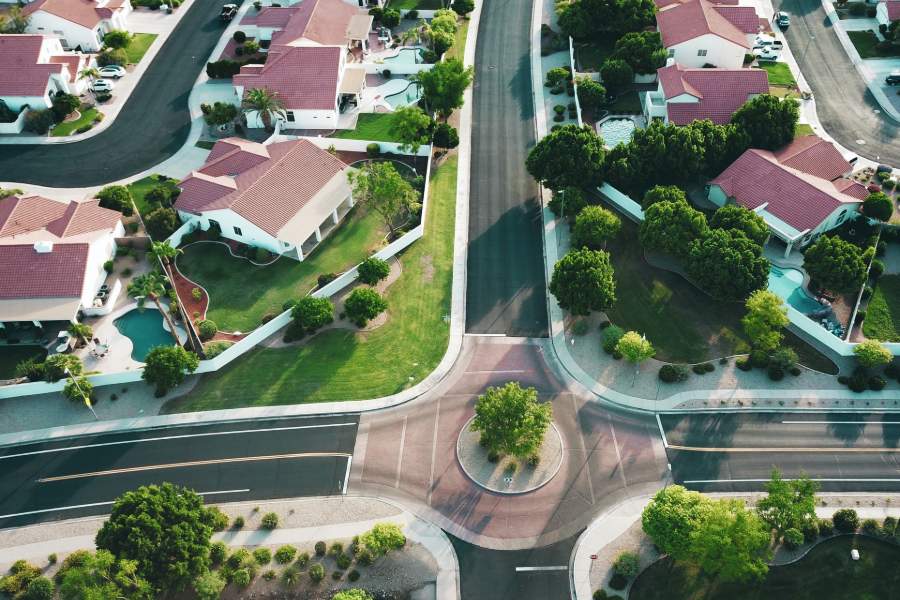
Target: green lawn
x,y
10,356
416,4
779,74
374,127
343,365
826,573
628,103
138,46
589,56
140,188
802,129
458,50
883,313
64,129
866,42
241,293
683,323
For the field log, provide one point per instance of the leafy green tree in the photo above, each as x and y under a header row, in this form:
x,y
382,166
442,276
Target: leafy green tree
x,y
101,576
16,20
220,113
411,127
384,190
788,504
166,367
116,197
382,539
445,136
642,50
878,206
165,529
768,120
731,543
511,420
872,354
657,155
835,264
312,313
444,84
64,105
583,19
444,20
152,286
671,227
21,575
161,223
112,56
462,8
594,226
727,265
635,348
570,200
672,518
571,156
209,586
663,193
117,38
372,270
583,281
40,588
58,366
722,145
765,319
591,95
266,103
79,389
81,331
9,192
617,74
738,218
364,304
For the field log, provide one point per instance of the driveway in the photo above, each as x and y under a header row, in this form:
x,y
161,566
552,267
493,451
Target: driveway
x,y
506,288
846,108
152,126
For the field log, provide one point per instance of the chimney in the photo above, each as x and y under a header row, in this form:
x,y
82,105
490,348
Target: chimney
x,y
43,247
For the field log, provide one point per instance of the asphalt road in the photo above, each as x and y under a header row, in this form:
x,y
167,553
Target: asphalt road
x,y
536,574
844,452
506,288
152,126
844,104
224,462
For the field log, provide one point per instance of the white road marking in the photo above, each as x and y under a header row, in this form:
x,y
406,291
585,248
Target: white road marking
x,y
618,454
822,479
526,569
662,431
175,437
781,449
400,454
504,371
840,422
434,436
93,504
347,474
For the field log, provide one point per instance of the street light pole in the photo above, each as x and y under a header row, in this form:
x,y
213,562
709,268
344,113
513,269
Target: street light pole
x,y
87,400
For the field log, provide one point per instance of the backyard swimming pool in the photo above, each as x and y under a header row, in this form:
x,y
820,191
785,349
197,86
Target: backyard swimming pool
x,y
616,131
405,56
407,96
788,284
145,330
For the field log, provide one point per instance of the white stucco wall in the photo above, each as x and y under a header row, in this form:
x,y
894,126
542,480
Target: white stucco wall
x,y
71,34
303,119
228,220
100,251
719,52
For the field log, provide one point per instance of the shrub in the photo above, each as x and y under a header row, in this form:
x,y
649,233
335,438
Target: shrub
x,y
237,558
223,69
219,519
320,548
845,520
239,36
336,575
699,369
343,561
39,588
373,150
217,552
63,105
382,538
51,559
324,279
311,314
888,526
353,575
372,270
39,121
365,557
775,373
108,266
270,575
610,338
363,304
445,136
269,520
303,559
207,329
196,294
876,383
877,269
743,364
238,522
892,371
870,526
602,594
826,527
285,554
262,556
627,564
793,538
336,549
810,531
112,56
317,573
673,373
241,577
618,582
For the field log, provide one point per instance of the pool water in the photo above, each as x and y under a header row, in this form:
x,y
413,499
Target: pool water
x,y
788,284
145,330
406,56
409,95
616,131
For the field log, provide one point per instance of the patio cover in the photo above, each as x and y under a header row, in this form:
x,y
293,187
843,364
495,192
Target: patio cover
x,y
359,28
353,81
39,309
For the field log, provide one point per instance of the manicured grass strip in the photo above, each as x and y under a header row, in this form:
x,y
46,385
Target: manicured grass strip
x,y
866,43
458,50
779,74
140,188
628,103
883,313
370,126
343,365
416,4
63,129
802,129
12,355
137,48
241,293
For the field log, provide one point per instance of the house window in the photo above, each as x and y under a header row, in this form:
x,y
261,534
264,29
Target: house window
x,y
290,116
701,52
237,231
213,224
671,52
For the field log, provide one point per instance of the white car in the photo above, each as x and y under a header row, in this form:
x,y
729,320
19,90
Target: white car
x,y
102,85
766,54
112,71
767,41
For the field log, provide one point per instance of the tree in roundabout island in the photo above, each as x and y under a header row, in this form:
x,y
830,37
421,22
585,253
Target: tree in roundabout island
x,y
511,420
571,156
836,264
166,367
165,529
583,281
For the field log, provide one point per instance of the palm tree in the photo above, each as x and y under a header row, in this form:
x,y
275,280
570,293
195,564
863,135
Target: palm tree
x,y
165,253
153,286
16,20
265,102
90,73
81,331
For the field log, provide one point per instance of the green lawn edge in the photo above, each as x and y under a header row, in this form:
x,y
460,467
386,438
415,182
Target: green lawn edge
x,y
882,320
67,128
137,48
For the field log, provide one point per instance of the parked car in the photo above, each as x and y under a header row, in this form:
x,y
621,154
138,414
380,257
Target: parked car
x,y
883,169
782,19
768,41
893,78
766,54
102,85
112,71
228,12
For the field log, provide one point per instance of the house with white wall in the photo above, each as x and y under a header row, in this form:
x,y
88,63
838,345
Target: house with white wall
x,y
52,256
698,33
284,196
801,190
685,95
887,12
79,24
310,23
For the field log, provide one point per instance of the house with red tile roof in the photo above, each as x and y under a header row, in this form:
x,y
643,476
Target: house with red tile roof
x,y
79,24
801,190
284,196
686,95
311,22
699,33
887,12
52,256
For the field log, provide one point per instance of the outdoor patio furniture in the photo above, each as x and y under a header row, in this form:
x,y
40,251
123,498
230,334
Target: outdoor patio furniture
x,y
64,342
